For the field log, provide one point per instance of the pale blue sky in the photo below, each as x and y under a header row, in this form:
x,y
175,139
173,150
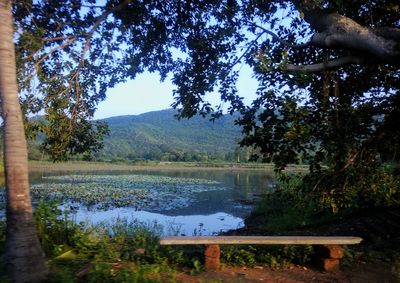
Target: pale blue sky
x,y
146,93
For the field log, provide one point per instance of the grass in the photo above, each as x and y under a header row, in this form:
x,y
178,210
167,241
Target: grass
x,y
122,251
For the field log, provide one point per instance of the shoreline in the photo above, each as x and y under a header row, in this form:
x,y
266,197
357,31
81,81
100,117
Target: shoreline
x,y
40,166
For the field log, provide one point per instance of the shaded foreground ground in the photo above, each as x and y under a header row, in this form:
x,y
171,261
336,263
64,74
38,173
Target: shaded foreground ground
x,y
361,273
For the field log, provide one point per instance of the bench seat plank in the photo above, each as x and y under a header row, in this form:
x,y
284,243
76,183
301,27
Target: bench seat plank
x,y
261,240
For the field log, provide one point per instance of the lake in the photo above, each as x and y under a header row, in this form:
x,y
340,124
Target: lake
x,y
202,201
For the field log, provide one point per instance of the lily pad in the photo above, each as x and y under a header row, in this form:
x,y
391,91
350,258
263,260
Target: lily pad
x,y
156,193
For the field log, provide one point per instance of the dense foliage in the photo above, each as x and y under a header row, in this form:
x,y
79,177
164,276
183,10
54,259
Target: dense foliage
x,y
333,117
328,74
69,53
325,97
338,116
296,205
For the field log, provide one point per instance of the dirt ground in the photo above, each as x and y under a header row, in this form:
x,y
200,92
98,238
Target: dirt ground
x,y
362,273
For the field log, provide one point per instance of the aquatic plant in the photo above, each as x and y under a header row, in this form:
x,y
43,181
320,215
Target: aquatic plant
x,y
157,193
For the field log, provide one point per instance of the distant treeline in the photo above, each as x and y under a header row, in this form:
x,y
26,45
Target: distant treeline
x,y
176,155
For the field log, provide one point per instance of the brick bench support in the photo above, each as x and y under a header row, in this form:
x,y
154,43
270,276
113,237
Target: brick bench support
x,y
328,250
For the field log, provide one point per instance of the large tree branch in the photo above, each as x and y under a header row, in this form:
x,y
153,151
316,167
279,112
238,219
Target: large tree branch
x,y
334,31
388,32
319,67
337,31
344,33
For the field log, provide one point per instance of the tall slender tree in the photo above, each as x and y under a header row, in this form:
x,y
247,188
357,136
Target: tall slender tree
x,y
25,259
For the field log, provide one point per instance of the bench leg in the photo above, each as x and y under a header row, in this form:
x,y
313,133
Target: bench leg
x,y
212,257
328,256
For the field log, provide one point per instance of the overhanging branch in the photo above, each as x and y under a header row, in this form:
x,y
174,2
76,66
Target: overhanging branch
x,y
280,40
319,67
341,32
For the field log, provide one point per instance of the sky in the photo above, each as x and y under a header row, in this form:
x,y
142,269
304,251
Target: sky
x,y
146,93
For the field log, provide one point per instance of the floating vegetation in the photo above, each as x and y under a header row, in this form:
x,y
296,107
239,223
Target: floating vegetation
x,y
150,192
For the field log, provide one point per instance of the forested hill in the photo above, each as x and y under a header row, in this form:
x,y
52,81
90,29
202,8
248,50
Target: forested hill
x,y
159,135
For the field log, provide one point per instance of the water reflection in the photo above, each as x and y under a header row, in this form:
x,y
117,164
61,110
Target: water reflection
x,y
199,225
210,212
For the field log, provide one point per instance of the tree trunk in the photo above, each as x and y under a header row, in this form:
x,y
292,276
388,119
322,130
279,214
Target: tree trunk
x,y
24,258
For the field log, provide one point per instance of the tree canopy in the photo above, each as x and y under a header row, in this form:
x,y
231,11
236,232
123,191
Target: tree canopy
x,y
328,89
328,74
327,70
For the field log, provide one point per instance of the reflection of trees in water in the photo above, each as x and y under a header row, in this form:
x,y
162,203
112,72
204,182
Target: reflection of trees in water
x,y
242,181
242,187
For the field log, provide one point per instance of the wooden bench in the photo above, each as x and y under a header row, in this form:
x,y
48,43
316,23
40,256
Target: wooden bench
x,y
328,249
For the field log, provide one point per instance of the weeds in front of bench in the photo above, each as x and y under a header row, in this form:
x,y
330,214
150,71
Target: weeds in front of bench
x,y
274,256
123,251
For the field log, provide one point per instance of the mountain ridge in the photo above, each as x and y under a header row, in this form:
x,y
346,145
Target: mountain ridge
x,y
159,135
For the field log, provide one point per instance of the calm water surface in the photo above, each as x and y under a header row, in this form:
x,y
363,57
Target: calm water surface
x,y
206,212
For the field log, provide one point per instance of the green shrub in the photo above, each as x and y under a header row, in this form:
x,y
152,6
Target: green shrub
x,y
312,199
63,275
132,243
356,188
288,207
56,229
